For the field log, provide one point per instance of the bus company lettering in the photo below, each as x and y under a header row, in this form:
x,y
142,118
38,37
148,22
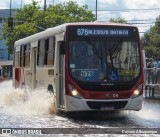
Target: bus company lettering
x,y
94,32
119,32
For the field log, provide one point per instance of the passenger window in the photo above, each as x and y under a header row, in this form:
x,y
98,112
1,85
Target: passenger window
x,y
22,55
17,64
27,55
46,51
41,53
51,51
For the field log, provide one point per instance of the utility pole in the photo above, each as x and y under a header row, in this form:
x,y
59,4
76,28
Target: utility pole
x,y
10,19
10,7
21,4
10,24
44,5
96,9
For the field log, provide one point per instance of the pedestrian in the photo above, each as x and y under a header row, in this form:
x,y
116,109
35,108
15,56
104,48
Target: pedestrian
x,y
149,74
154,71
158,73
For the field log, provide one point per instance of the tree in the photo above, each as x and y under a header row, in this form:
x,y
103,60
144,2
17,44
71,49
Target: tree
x,y
118,20
151,40
31,19
21,28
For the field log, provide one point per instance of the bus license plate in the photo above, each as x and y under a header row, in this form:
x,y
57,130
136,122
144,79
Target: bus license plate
x,y
107,108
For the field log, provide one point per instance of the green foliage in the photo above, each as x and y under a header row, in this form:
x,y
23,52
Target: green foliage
x,y
118,20
151,40
30,19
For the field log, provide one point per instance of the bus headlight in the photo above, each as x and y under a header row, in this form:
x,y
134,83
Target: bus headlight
x,y
137,91
74,92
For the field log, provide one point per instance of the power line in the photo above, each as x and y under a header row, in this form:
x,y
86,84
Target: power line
x,y
150,33
141,23
115,12
124,10
99,11
141,20
144,26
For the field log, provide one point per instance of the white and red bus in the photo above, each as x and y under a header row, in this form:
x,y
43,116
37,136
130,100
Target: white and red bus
x,y
92,66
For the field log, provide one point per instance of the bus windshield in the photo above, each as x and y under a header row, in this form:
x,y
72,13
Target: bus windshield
x,y
94,60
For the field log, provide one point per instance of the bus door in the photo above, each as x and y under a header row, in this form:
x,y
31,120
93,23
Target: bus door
x,y
59,75
16,69
33,64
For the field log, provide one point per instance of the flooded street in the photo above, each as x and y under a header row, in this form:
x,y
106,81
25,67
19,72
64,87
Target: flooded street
x,y
19,109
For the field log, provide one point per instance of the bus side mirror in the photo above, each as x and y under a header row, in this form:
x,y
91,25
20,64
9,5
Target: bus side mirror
x,y
62,47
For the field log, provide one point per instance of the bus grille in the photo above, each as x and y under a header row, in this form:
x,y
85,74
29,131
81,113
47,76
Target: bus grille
x,y
106,88
98,105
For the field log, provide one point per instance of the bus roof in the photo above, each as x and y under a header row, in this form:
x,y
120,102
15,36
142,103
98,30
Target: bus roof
x,y
61,28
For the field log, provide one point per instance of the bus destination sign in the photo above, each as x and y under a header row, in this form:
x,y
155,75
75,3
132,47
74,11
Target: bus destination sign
x,y
102,32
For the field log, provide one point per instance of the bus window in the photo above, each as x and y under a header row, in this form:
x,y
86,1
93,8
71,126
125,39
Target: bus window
x,y
27,55
51,51
41,53
17,64
46,51
22,55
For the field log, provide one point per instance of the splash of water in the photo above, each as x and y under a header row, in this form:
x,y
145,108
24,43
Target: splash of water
x,y
25,102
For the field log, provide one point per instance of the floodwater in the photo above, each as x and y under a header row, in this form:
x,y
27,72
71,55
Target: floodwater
x,y
34,109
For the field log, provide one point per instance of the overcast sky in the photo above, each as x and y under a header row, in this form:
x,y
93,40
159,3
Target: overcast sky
x,y
117,8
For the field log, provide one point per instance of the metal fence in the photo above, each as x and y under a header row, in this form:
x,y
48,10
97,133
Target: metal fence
x,y
152,82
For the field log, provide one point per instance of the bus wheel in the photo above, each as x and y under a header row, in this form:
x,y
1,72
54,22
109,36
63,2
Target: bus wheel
x,y
50,91
52,96
23,86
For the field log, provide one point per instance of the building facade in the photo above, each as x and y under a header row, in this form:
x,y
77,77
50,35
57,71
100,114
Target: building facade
x,y
6,60
4,56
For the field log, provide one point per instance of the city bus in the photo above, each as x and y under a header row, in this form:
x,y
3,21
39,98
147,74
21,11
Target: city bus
x,y
87,66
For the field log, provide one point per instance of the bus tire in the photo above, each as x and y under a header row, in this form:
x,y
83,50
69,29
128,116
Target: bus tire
x,y
50,89
23,86
52,95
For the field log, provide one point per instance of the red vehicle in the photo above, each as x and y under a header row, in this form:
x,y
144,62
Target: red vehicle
x,y
87,66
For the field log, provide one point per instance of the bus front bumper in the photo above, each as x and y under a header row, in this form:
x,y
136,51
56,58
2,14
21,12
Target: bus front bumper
x,y
75,104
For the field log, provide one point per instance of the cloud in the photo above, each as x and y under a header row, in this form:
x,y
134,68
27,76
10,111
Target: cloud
x,y
106,5
79,2
4,5
148,15
133,15
30,1
105,16
109,2
141,3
